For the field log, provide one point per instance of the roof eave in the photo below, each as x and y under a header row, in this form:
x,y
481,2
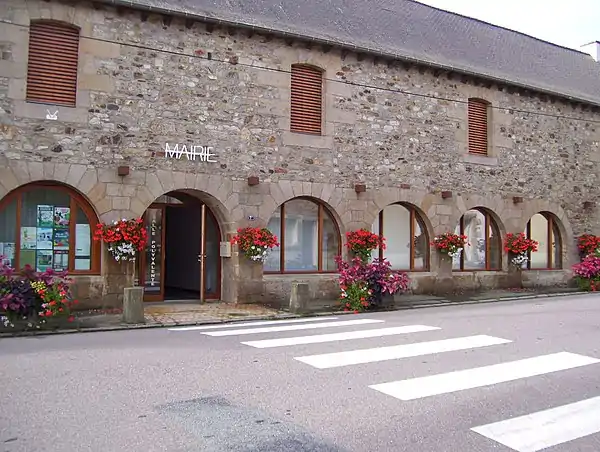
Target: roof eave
x,y
406,58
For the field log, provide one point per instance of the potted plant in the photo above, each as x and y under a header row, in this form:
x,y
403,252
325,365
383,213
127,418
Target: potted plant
x,y
123,237
255,243
449,243
518,247
362,243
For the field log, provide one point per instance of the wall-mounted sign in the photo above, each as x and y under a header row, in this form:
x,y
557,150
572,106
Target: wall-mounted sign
x,y
191,152
225,249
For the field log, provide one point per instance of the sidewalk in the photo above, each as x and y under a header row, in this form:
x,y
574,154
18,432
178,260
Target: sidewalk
x,y
171,314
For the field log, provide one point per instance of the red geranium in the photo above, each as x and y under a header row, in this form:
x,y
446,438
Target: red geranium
x,y
255,242
124,237
519,244
449,243
588,244
363,242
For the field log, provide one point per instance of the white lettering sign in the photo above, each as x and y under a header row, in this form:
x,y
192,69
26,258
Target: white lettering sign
x,y
153,253
191,152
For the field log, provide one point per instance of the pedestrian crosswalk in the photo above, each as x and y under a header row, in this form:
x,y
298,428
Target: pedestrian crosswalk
x,y
528,433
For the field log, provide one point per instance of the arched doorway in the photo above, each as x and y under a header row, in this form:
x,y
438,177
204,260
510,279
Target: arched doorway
x,y
182,259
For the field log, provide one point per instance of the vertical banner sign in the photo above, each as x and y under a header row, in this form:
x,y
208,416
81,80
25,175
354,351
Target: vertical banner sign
x,y
153,270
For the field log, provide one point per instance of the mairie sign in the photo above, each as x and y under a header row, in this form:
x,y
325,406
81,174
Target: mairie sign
x,y
191,152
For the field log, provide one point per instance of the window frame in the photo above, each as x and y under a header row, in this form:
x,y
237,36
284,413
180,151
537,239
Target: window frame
x,y
550,224
490,223
75,200
322,210
298,93
474,127
52,95
415,217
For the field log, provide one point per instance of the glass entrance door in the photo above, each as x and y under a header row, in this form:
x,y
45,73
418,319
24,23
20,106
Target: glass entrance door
x,y
154,267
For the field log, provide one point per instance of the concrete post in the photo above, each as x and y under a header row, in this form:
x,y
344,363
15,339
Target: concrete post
x,y
133,305
299,298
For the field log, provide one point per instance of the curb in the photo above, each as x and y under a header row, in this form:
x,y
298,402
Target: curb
x,y
283,316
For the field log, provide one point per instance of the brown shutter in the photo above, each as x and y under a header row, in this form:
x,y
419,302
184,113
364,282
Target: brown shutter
x,y
52,66
478,127
306,99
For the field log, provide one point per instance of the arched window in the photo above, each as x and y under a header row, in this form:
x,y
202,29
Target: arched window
x,y
407,243
309,238
48,226
542,227
484,245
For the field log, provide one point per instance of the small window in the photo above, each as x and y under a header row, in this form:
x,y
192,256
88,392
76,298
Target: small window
x,y
306,99
484,245
542,228
309,238
406,241
53,63
48,226
478,127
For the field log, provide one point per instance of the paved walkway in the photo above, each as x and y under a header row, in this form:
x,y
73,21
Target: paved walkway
x,y
189,313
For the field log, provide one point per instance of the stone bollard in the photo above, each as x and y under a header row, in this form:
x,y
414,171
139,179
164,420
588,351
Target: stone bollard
x,y
299,298
133,305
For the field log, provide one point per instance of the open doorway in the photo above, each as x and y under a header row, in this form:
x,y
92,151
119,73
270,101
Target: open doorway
x,y
182,255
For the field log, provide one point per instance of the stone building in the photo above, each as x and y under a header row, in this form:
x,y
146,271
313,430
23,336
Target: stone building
x,y
304,117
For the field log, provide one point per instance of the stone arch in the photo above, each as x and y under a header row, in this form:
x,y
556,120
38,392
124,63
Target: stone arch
x,y
495,206
213,190
384,197
79,178
557,212
280,192
559,218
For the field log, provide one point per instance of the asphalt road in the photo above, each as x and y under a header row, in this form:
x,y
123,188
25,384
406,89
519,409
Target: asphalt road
x,y
252,388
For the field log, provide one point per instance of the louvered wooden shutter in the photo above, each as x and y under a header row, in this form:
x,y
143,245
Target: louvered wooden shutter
x,y
306,99
478,127
52,66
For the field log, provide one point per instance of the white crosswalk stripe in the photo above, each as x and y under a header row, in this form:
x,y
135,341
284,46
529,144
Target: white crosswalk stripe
x,y
370,355
274,329
548,428
417,388
320,338
259,323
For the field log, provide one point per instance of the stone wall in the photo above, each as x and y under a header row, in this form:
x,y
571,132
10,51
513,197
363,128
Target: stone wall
x,y
401,130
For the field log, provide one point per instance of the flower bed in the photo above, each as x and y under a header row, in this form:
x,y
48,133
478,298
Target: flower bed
x,y
31,298
450,243
587,273
123,237
255,243
588,244
363,283
519,246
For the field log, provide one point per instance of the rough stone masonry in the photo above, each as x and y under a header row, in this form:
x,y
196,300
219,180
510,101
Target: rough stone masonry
x,y
400,129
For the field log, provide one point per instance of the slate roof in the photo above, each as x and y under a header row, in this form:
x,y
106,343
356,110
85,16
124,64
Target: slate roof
x,y
408,30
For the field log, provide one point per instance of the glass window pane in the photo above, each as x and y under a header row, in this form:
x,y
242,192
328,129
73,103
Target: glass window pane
x,y
494,247
474,229
539,232
375,229
421,245
396,230
8,232
273,261
456,259
301,235
45,220
83,241
556,247
331,241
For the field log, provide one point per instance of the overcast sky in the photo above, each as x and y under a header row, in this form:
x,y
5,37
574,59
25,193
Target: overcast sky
x,y
570,23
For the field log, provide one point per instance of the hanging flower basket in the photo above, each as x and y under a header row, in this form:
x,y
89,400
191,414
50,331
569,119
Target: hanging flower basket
x,y
449,243
123,237
255,243
588,244
362,243
519,247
